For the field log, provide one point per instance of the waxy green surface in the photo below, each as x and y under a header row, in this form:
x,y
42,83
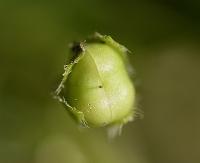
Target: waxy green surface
x,y
96,87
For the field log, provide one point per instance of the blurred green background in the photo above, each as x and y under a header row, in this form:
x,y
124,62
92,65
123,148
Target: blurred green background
x,y
164,38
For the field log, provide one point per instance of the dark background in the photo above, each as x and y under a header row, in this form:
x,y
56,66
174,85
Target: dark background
x,y
164,38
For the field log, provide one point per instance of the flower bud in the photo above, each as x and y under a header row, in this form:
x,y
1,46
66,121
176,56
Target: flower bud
x,y
96,88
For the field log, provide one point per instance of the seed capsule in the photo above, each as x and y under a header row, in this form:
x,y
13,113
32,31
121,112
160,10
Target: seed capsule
x,y
96,88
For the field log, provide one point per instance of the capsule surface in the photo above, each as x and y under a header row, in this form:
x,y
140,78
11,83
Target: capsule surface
x,y
96,87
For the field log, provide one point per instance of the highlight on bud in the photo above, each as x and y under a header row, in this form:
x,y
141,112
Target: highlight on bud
x,y
96,87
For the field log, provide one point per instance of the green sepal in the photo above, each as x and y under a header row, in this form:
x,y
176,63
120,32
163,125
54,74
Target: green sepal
x,y
111,42
76,114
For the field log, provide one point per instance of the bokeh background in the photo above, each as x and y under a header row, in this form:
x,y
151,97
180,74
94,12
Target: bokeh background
x,y
164,37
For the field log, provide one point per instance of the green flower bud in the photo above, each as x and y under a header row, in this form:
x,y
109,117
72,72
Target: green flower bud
x,y
96,88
